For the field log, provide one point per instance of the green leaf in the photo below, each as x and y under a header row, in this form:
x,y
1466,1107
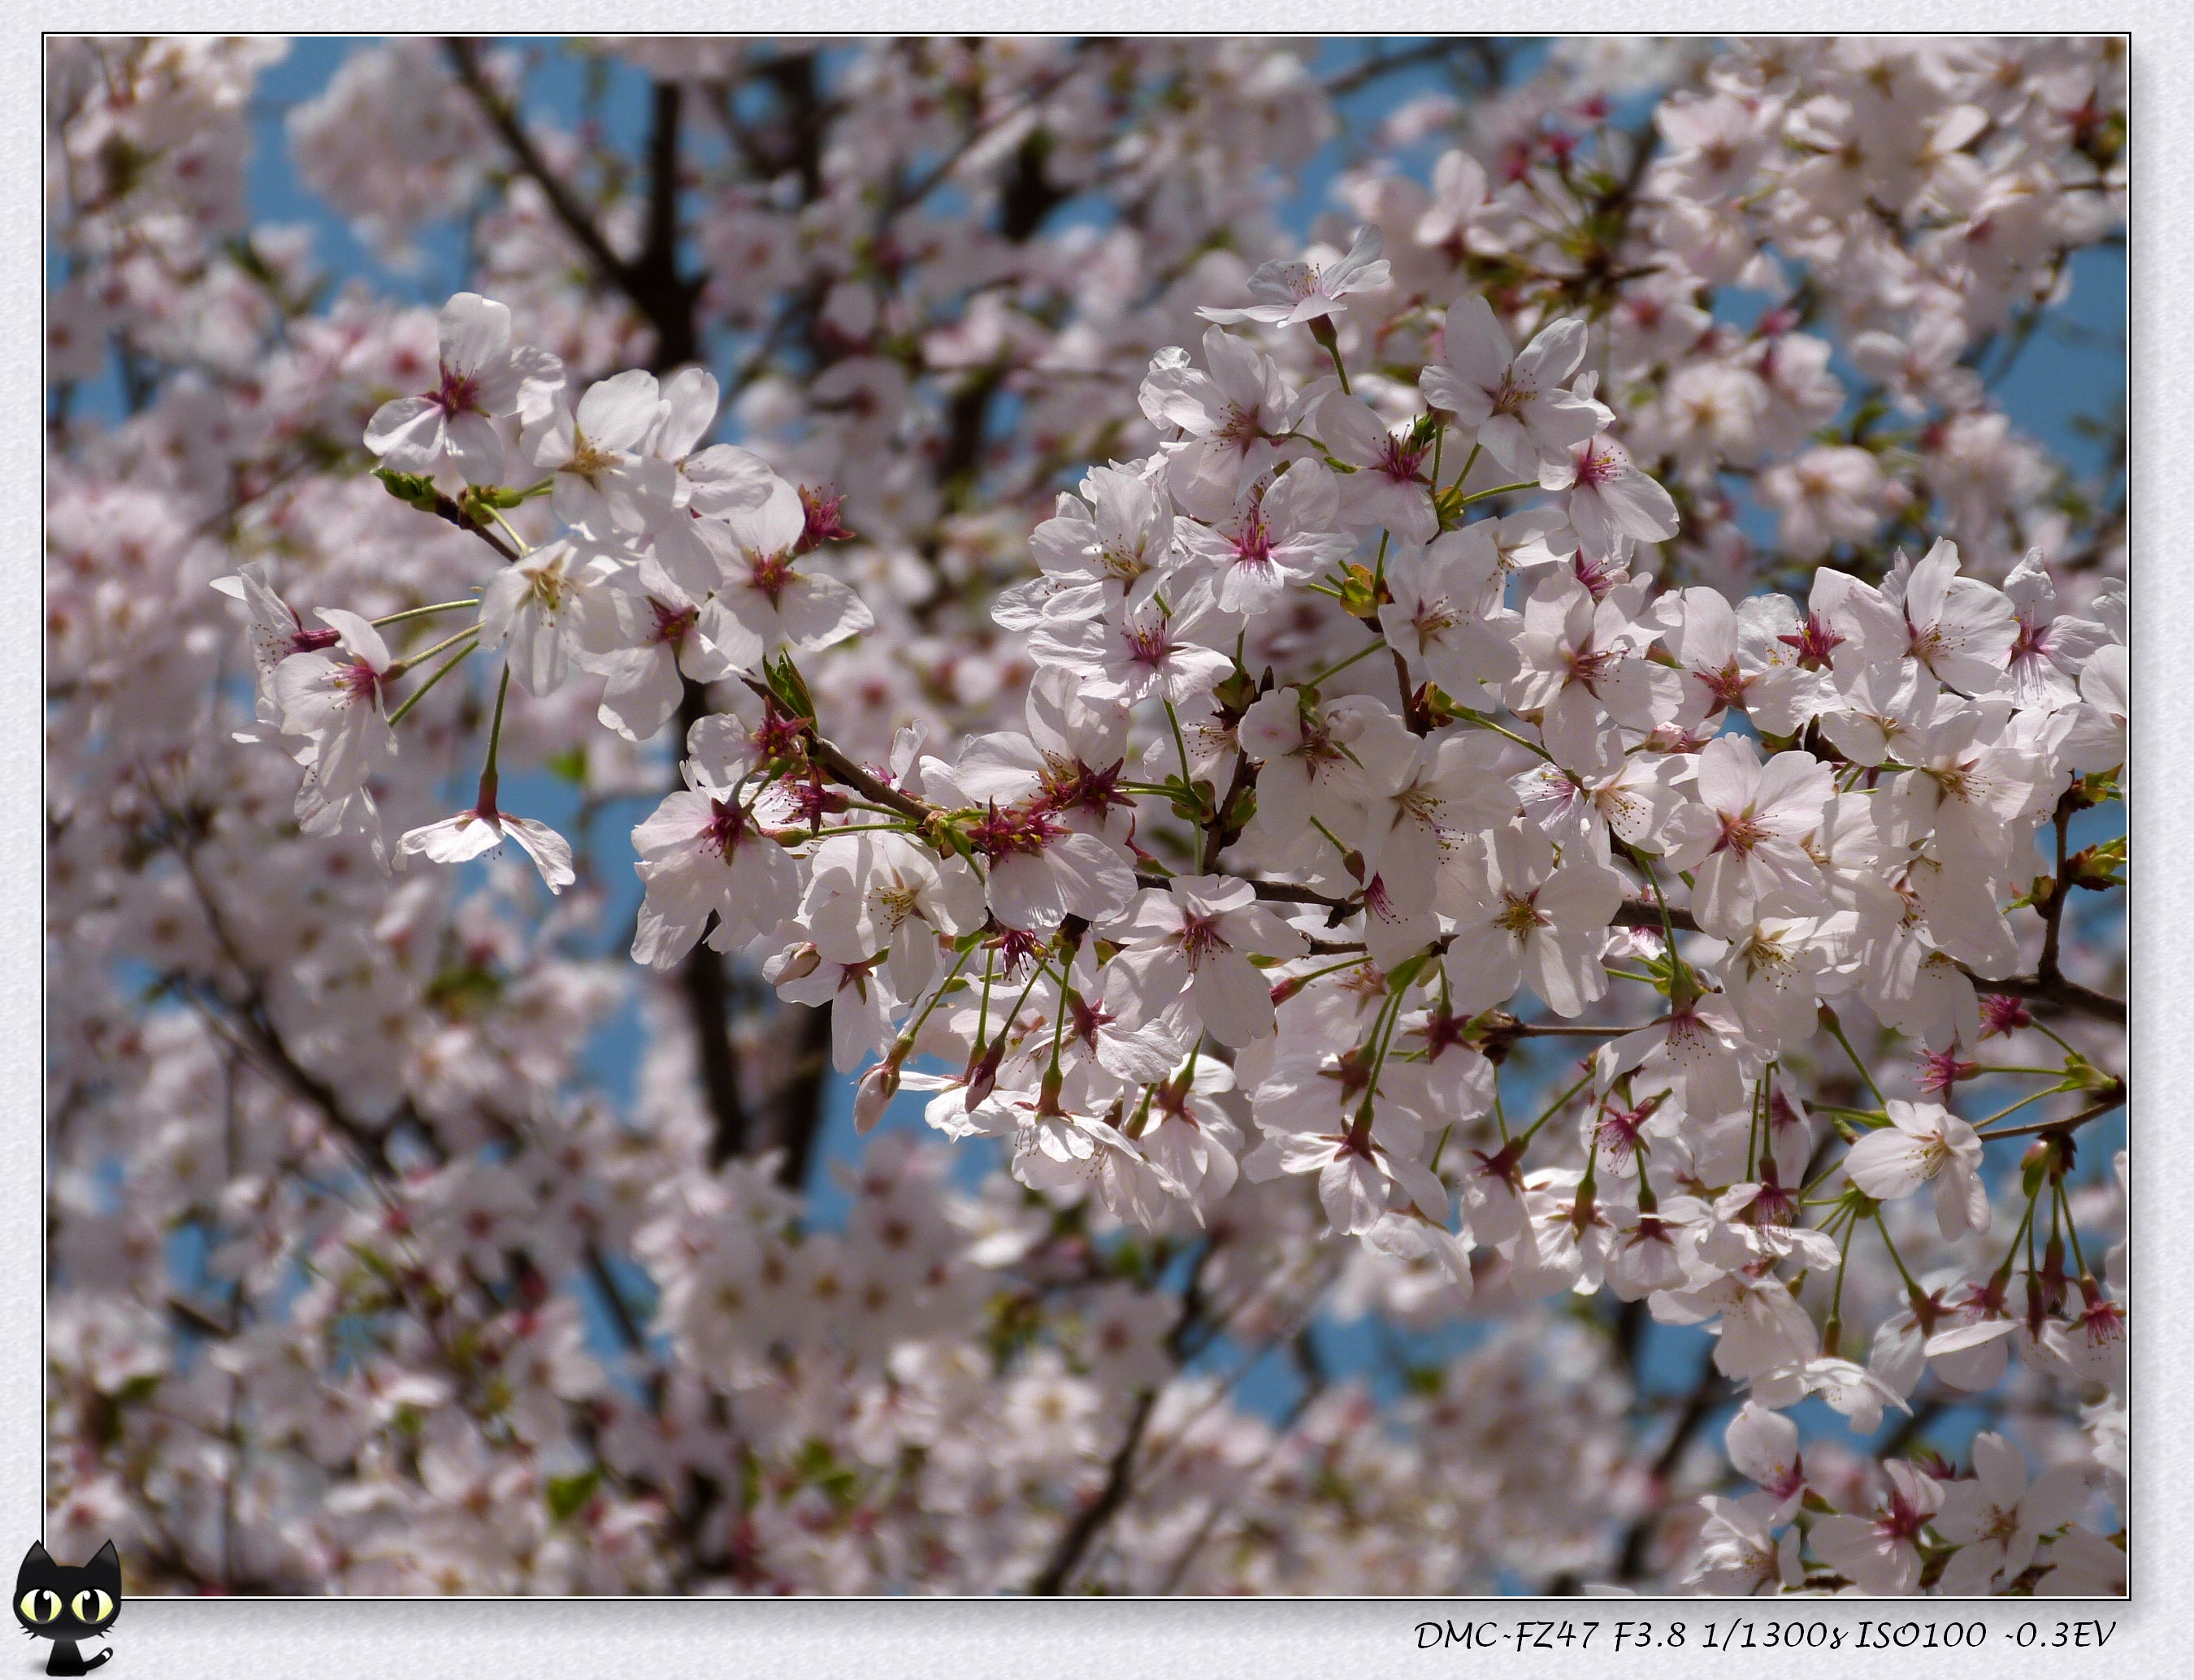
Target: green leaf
x,y
1404,973
415,488
785,683
567,1495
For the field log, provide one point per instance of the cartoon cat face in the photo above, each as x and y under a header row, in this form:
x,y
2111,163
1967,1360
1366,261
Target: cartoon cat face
x,y
53,1601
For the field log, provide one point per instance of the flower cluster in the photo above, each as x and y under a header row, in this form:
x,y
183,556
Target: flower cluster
x,y
1400,832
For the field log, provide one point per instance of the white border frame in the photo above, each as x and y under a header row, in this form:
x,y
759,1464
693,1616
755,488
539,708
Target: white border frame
x,y
963,1639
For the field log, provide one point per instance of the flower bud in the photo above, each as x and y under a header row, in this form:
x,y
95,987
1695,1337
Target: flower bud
x,y
877,1087
983,1073
2033,1165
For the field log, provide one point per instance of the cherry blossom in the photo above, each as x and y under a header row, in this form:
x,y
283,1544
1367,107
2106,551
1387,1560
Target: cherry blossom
x,y
1264,816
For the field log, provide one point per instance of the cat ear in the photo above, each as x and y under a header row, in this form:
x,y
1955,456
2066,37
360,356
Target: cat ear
x,y
37,1554
106,1561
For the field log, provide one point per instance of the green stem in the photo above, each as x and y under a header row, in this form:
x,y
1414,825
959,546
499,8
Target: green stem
x,y
1499,489
1338,967
2025,1224
1480,720
487,782
405,664
1470,460
2053,1038
983,1014
1836,1300
524,548
1553,1108
1333,349
2003,1112
1680,970
937,997
1364,653
1382,1034
1180,743
420,693
422,612
2071,1229
1330,835
1836,1031
1059,1026
1882,1225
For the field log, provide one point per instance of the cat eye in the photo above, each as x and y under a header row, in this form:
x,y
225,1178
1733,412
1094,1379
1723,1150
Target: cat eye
x,y
40,1604
106,1606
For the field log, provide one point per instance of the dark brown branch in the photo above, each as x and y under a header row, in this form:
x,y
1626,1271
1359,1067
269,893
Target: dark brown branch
x,y
1363,75
446,508
2052,914
1181,1345
1098,1511
868,787
197,1319
1274,891
1244,776
2043,987
1649,916
627,1327
464,59
793,1113
653,284
2059,992
847,772
1707,1393
2069,1124
650,282
707,986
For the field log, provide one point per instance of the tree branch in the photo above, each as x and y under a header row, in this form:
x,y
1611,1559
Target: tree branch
x,y
2069,1124
650,282
1093,1517
2062,994
464,59
1363,75
707,986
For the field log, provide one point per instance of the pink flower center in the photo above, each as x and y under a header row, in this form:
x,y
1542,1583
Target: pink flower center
x,y
457,393
1901,1520
1740,832
1726,685
770,575
1600,464
671,623
1148,646
1069,784
1200,938
1253,542
1520,915
357,679
1018,829
1399,461
1590,665
728,826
